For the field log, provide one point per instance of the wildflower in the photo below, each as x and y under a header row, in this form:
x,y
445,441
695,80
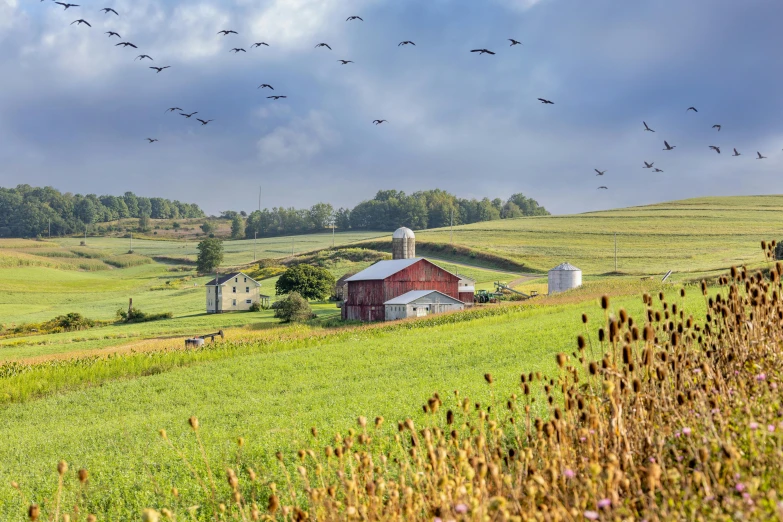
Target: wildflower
x,y
686,431
604,503
591,515
569,473
761,377
461,508
739,486
771,428
754,425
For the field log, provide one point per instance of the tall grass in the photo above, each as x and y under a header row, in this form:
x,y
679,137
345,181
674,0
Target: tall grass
x,y
127,260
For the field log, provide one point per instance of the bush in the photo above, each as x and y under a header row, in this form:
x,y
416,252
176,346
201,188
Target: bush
x,y
310,282
255,307
294,308
134,315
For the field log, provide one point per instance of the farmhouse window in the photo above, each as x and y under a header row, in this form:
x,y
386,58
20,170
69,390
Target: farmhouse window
x,y
249,301
233,302
246,280
235,289
236,279
247,289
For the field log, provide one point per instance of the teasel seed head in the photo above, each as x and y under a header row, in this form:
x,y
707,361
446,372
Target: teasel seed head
x,y
378,422
580,342
584,318
62,468
488,377
561,359
362,422
605,302
33,512
83,475
193,421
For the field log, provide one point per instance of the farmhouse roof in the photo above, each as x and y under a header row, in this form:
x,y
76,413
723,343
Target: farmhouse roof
x,y
226,278
568,267
413,295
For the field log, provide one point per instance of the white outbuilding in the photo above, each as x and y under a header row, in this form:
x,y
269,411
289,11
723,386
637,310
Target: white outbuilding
x,y
564,277
418,303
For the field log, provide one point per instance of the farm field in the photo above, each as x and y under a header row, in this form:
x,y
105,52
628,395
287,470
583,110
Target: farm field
x,y
687,236
272,398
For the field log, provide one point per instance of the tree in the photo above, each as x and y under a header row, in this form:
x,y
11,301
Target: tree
x,y
237,227
144,222
207,227
293,308
311,282
176,225
343,218
320,216
210,255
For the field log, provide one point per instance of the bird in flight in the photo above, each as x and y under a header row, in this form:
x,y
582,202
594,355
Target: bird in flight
x,y
514,42
736,153
265,86
323,45
600,172
760,156
172,109
602,187
276,97
716,149
378,122
546,102
354,18
345,62
204,122
406,42
668,147
648,165
188,115
691,109
482,51
112,33
226,32
716,127
656,169
66,6
259,44
646,127
152,140
108,10
235,50
158,69
80,22
125,44
142,56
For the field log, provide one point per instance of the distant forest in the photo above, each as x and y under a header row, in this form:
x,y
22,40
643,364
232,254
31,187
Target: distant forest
x,y
388,210
26,211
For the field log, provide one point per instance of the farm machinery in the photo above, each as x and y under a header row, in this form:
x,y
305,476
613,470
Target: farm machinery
x,y
501,291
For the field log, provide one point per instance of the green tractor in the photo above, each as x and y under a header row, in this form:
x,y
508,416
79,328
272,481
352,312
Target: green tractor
x,y
485,296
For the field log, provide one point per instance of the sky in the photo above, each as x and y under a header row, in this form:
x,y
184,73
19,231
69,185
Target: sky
x,y
75,109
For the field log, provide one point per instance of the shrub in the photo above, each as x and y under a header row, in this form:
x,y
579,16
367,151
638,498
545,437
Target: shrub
x,y
134,315
294,308
255,307
310,282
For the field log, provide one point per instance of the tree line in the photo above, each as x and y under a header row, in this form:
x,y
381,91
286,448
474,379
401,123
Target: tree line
x,y
27,211
388,210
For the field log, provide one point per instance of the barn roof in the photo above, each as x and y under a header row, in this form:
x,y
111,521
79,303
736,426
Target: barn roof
x,y
413,295
383,269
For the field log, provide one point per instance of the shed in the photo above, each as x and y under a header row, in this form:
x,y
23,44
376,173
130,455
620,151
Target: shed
x,y
564,277
419,303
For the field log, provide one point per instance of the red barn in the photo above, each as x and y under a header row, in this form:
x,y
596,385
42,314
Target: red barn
x,y
371,288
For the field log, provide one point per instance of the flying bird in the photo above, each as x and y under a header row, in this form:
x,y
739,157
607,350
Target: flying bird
x,y
188,115
482,51
378,122
647,128
172,109
760,156
602,187
151,140
406,42
716,149
235,50
716,127
354,18
514,42
142,56
546,102
656,169
668,147
204,122
226,32
66,6
600,172
345,62
108,10
158,69
259,44
691,109
112,33
648,165
80,22
276,97
125,44
323,45
265,86
736,153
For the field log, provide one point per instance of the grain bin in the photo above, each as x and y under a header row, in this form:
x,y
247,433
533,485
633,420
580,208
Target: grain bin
x,y
564,277
403,244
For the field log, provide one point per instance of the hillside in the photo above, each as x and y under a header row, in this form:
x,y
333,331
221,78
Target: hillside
x,y
693,235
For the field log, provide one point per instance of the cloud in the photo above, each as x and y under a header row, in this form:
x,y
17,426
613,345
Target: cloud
x,y
298,141
192,31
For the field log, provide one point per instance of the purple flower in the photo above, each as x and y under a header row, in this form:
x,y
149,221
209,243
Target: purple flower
x,y
461,508
686,431
569,473
739,486
591,515
604,503
753,425
761,377
436,519
771,428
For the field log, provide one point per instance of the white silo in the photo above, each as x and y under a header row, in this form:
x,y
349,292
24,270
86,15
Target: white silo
x,y
564,277
403,244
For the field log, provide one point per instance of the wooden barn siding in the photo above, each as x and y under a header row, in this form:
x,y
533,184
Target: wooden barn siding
x,y
466,297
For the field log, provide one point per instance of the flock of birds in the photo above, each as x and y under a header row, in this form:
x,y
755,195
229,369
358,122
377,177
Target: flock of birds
x,y
236,50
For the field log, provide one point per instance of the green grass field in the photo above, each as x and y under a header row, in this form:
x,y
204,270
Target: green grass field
x,y
687,236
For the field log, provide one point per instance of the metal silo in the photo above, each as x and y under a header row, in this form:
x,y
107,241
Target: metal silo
x,y
564,277
403,244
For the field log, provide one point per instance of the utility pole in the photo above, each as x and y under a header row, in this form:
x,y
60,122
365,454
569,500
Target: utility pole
x,y
333,221
255,240
451,239
615,251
